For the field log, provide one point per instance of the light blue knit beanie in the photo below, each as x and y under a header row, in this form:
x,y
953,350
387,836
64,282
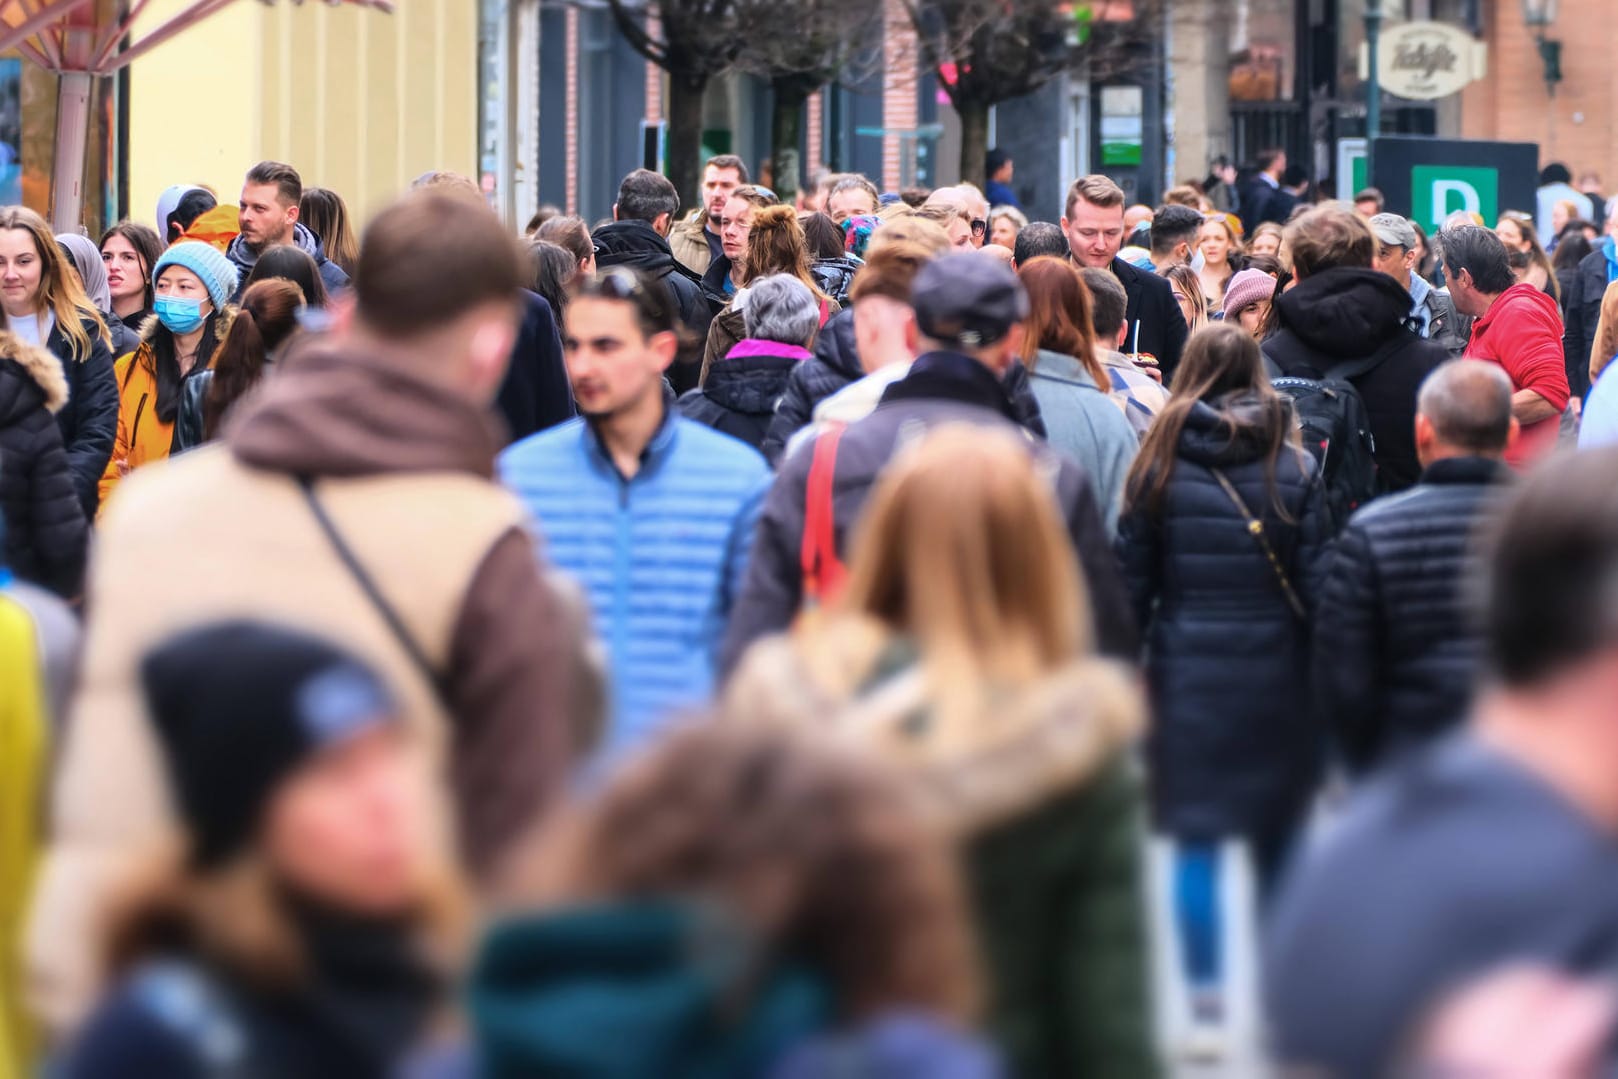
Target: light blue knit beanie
x,y
216,272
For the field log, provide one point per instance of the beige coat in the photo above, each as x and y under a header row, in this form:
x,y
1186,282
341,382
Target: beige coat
x,y
689,245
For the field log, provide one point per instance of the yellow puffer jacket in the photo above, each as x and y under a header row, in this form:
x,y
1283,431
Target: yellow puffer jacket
x,y
22,762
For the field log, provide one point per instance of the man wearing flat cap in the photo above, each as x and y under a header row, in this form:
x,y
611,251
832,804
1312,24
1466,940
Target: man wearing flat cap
x,y
1432,315
970,310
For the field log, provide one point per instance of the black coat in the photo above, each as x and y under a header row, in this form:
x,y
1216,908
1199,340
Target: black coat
x,y
1151,304
125,337
742,389
940,388
44,522
536,393
1581,310
1233,749
637,245
836,363
89,420
1397,654
1347,314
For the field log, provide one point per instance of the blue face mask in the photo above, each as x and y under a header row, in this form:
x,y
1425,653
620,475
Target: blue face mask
x,y
178,314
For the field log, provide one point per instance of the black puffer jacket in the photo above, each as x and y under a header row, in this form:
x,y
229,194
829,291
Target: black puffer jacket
x,y
89,420
637,245
742,389
1346,314
836,363
1232,745
941,387
1396,655
836,276
44,524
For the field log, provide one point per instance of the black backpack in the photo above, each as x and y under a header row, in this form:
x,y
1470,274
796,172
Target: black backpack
x,y
1336,429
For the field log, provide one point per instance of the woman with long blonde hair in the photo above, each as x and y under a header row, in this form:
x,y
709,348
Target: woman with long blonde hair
x,y
961,649
46,306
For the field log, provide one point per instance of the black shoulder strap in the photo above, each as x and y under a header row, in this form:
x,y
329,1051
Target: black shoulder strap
x,y
373,592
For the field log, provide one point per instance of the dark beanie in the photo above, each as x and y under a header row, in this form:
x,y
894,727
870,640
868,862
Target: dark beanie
x,y
238,707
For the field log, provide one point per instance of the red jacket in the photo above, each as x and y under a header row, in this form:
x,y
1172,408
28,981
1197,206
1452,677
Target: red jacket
x,y
1522,333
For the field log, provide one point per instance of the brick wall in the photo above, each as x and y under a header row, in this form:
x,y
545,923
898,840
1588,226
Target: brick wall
x,y
899,90
1578,125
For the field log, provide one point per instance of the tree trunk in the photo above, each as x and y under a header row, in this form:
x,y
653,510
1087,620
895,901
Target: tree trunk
x,y
786,131
685,137
974,141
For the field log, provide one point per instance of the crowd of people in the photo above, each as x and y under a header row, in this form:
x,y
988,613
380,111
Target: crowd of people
x,y
882,635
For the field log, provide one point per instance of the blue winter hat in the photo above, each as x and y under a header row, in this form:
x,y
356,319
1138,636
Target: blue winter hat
x,y
216,272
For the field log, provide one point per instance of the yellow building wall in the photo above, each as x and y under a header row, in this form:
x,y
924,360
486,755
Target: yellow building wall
x,y
357,100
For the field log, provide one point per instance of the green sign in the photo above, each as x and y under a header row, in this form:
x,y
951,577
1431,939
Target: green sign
x,y
1436,191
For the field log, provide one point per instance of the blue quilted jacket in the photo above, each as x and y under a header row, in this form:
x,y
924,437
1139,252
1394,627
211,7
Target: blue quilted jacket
x,y
660,555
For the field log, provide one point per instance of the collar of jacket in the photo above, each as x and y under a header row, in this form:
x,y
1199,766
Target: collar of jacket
x,y
332,412
1058,365
1124,272
750,347
950,376
1466,471
1521,301
652,457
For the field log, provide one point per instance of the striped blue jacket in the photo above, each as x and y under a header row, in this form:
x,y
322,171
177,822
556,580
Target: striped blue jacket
x,y
661,555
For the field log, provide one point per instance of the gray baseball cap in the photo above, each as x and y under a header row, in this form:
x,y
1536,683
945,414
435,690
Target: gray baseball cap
x,y
1393,230
969,300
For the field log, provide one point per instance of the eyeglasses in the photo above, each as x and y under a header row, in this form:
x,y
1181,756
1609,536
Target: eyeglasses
x,y
979,226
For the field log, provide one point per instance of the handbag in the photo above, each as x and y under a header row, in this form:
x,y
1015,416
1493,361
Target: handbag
x,y
1255,528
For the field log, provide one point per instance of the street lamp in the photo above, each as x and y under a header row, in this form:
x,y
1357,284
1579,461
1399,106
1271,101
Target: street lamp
x,y
1538,15
1373,87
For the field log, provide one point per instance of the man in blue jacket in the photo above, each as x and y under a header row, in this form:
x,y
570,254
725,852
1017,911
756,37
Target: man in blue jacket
x,y
652,513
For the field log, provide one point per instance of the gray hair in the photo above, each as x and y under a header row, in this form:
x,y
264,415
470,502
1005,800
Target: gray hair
x,y
780,308
1468,402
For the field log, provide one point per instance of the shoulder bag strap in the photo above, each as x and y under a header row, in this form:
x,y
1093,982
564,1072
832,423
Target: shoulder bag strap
x,y
822,571
1255,528
373,592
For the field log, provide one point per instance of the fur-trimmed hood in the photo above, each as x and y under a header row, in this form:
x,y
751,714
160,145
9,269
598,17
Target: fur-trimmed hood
x,y
39,370
1030,745
227,315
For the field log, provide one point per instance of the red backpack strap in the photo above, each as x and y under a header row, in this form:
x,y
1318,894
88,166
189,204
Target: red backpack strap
x,y
823,572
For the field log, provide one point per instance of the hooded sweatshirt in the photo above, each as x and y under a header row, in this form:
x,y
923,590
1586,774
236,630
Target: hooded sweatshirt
x,y
1522,332
246,258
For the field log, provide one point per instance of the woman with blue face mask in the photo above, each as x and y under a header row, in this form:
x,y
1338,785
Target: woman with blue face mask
x,y
192,283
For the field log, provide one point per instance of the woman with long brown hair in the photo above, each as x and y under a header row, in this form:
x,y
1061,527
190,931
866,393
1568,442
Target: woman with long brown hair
x,y
46,306
267,317
129,251
768,877
960,650
1071,386
775,245
324,213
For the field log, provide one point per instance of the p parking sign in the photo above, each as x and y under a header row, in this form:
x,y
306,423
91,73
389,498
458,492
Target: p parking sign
x,y
1430,179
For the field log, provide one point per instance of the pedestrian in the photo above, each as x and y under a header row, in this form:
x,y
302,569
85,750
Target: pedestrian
x,y
1555,185
1221,258
271,193
1188,296
1059,350
1247,302
1563,214
1039,239
1223,521
1432,312
128,253
1518,327
1368,202
179,207
1260,199
999,169
944,209
194,283
1095,229
1174,237
258,332
554,270
1396,655
696,241
325,214
1493,848
289,932
1426,261
1574,247
1005,225
288,262
1220,186
775,244
353,494
830,263
643,215
739,394
1528,260
1342,319
571,232
1136,393
1265,240
726,272
740,902
46,307
981,683
1582,307
970,310
43,521
84,259
851,196
653,513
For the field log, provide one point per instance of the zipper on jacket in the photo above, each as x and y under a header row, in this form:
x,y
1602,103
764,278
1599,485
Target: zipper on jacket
x,y
134,428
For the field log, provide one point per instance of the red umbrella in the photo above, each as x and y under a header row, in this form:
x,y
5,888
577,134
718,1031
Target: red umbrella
x,y
67,37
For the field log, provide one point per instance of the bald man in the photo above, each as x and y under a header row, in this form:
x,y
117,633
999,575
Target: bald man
x,y
1395,654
